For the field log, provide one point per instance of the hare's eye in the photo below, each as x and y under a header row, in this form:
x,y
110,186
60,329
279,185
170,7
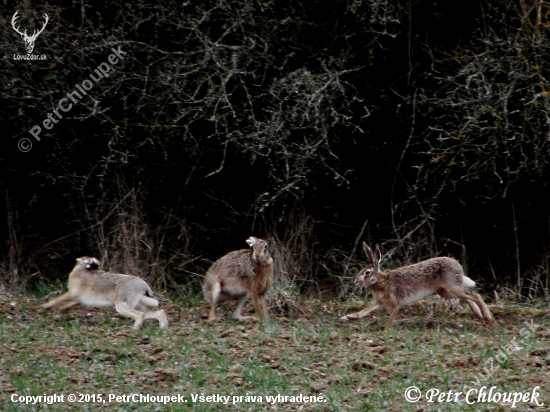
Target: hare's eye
x,y
368,272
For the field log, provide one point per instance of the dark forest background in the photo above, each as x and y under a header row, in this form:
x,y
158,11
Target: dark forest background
x,y
420,125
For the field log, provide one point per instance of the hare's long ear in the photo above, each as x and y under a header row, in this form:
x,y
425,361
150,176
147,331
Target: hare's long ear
x,y
368,251
94,264
376,258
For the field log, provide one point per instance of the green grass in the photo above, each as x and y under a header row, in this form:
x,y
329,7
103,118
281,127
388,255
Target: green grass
x,y
356,365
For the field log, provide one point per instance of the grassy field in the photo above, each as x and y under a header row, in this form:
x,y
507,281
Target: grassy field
x,y
341,365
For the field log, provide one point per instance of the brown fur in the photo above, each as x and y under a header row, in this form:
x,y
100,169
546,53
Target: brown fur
x,y
238,274
129,295
395,288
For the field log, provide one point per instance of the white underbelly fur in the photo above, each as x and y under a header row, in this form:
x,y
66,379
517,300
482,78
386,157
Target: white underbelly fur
x,y
421,294
93,300
233,292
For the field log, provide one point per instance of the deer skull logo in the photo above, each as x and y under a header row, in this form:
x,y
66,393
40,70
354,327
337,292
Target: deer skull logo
x,y
29,40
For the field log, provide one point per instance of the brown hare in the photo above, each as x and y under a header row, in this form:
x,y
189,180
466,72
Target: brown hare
x,y
129,295
238,274
395,288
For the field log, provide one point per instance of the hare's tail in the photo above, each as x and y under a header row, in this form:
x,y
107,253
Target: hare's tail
x,y
468,283
147,298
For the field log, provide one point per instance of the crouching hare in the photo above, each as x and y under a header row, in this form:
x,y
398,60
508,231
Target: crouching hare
x,y
238,274
408,284
90,286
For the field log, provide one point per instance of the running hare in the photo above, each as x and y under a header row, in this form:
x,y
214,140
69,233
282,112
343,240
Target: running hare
x,y
405,285
129,295
238,274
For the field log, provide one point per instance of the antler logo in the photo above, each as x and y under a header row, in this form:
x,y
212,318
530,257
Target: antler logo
x,y
29,40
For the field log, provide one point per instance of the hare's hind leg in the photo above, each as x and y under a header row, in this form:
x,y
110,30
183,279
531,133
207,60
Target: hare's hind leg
x,y
484,309
240,303
126,310
474,301
160,315
475,309
363,313
213,296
